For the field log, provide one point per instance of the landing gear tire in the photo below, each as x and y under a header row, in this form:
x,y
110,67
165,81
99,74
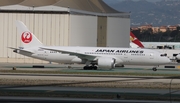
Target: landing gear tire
x,y
154,69
86,67
178,61
94,67
90,67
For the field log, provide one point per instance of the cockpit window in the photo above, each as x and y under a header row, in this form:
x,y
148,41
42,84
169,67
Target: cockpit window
x,y
164,55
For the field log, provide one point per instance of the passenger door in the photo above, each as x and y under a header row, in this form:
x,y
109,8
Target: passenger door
x,y
151,55
126,58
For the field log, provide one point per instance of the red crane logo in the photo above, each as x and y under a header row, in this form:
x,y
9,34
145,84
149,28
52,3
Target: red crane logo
x,y
26,37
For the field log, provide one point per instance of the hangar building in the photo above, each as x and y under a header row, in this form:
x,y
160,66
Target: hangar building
x,y
62,23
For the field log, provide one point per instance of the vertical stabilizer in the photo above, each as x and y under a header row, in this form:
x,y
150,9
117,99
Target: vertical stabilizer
x,y
135,40
28,39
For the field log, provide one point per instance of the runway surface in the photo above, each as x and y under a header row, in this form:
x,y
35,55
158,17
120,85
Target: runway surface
x,y
112,95
59,82
90,90
90,77
172,69
72,100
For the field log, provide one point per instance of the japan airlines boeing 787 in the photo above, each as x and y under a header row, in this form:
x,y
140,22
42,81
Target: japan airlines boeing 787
x,y
93,57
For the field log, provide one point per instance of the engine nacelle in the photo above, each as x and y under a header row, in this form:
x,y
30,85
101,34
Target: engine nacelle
x,y
106,62
178,57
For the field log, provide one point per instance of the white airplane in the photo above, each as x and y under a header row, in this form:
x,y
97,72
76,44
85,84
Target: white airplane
x,y
172,54
93,57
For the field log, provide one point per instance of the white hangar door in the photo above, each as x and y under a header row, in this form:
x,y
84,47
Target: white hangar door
x,y
118,32
83,30
102,31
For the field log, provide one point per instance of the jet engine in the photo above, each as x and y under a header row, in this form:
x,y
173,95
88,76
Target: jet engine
x,y
178,58
106,62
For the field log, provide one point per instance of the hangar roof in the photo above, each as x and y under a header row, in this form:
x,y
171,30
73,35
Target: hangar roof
x,y
86,5
91,7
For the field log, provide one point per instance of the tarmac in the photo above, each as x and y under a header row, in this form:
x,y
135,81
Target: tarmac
x,y
129,84
168,69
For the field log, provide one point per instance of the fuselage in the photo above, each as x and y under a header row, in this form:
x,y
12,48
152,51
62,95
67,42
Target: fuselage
x,y
125,56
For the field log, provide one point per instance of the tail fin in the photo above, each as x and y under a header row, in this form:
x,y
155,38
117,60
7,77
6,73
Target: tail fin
x,y
135,40
28,39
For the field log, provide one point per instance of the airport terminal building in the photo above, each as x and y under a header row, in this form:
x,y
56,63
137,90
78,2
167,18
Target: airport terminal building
x,y
62,23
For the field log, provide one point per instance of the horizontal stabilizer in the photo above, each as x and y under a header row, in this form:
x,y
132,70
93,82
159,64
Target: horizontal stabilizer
x,y
16,49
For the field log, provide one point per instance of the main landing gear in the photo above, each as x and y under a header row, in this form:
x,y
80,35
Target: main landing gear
x,y
154,68
90,67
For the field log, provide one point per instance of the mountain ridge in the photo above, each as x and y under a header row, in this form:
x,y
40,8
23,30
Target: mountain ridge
x,y
165,12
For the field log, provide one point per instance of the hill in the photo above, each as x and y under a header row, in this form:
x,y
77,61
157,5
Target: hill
x,y
165,12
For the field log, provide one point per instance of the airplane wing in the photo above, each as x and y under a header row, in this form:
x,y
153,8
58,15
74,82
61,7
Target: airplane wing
x,y
80,55
21,50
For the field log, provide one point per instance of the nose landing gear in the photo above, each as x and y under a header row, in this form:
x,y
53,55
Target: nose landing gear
x,y
154,68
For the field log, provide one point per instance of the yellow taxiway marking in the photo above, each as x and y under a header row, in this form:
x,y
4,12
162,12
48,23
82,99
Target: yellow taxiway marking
x,y
178,66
